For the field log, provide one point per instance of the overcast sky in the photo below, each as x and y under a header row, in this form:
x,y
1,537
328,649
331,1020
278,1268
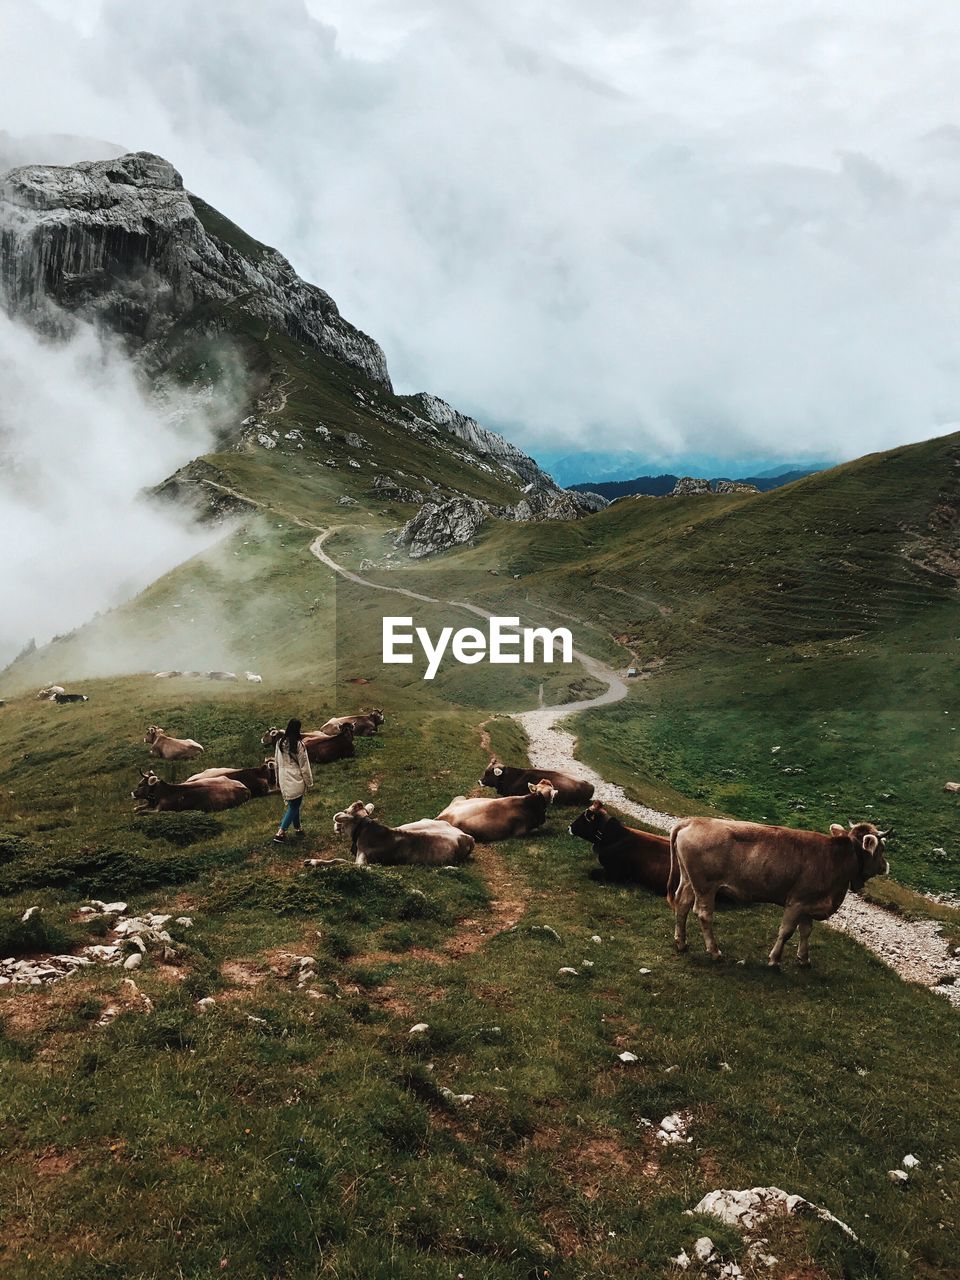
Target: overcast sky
x,y
724,227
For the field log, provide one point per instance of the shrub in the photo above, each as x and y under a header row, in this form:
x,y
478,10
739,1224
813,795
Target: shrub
x,y
38,934
181,829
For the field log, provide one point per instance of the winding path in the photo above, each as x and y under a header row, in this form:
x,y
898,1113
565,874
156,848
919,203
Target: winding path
x,y
916,950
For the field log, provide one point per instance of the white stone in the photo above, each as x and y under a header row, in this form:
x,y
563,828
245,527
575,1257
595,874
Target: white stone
x,y
898,1176
596,938
910,1162
627,1056
206,1004
418,1028
704,1249
133,961
566,970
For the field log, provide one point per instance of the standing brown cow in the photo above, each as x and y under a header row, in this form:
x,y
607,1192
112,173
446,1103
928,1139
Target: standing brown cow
x,y
806,873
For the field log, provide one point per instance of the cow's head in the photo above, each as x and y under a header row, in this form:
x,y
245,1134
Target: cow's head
x,y
492,773
543,788
376,715
270,764
869,845
271,737
153,733
345,821
590,824
147,787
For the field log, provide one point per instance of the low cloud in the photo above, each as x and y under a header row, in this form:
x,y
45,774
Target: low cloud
x,y
80,438
679,228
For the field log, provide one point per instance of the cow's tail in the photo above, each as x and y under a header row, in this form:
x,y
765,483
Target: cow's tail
x,y
674,863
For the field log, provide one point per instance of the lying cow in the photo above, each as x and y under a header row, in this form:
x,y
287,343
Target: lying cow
x,y
624,852
62,697
502,819
221,675
806,873
365,725
166,747
209,796
322,748
509,781
429,842
260,780
49,693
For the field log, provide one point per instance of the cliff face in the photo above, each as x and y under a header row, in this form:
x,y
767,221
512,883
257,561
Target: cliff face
x,y
483,441
121,241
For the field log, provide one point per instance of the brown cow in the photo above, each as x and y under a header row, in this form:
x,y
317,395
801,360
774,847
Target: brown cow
x,y
428,842
365,724
507,780
806,873
260,780
624,852
322,748
501,819
209,796
168,748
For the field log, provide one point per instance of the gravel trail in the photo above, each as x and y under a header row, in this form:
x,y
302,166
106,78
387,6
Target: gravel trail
x,y
914,949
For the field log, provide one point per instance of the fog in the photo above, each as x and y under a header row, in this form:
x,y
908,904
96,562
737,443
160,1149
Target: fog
x,y
80,437
678,228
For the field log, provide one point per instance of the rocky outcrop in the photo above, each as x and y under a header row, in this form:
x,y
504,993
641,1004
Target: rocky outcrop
x,y
688,485
545,502
735,486
389,489
487,443
121,241
437,526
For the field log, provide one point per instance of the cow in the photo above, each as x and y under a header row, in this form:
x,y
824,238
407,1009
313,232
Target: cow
x,y
167,675
260,780
252,678
221,675
806,873
322,748
365,725
429,842
50,692
624,852
507,780
62,698
209,796
503,818
166,747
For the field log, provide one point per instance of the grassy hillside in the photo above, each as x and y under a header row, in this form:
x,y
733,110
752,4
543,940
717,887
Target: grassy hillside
x,y
290,1134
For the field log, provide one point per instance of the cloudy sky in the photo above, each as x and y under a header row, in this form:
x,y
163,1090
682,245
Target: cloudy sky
x,y
682,227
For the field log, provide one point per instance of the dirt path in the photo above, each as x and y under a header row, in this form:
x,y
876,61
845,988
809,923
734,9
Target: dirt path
x,y
915,950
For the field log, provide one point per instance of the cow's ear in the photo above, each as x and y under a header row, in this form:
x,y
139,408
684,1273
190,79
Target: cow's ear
x,y
497,771
532,788
836,829
368,808
870,843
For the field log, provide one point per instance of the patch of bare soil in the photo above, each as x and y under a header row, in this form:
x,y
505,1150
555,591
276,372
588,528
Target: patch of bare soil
x,y
244,973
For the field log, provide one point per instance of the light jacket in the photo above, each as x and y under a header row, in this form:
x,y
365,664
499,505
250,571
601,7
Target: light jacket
x,y
293,776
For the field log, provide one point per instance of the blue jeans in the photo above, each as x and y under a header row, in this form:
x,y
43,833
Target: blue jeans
x,y
292,814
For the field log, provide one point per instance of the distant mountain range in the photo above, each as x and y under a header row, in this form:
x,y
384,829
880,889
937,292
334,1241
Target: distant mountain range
x,y
658,486
594,467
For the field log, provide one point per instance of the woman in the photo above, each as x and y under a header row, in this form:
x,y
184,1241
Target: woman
x,y
294,775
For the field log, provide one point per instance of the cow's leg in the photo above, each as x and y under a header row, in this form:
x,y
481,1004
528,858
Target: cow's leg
x,y
804,925
791,918
682,903
703,906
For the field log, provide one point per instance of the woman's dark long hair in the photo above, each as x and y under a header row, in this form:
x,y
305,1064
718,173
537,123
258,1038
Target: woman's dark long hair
x,y
291,738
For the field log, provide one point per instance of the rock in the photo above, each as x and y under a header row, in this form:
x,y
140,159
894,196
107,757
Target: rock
x,y
566,970
704,1249
344,501
898,1176
910,1162
681,1261
133,961
90,233
389,489
688,485
185,922
206,1004
735,486
108,1015
436,413
544,501
643,971
951,786
627,1056
596,938
29,914
437,526
462,1098
547,929
353,441
673,1129
749,1209
418,1028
